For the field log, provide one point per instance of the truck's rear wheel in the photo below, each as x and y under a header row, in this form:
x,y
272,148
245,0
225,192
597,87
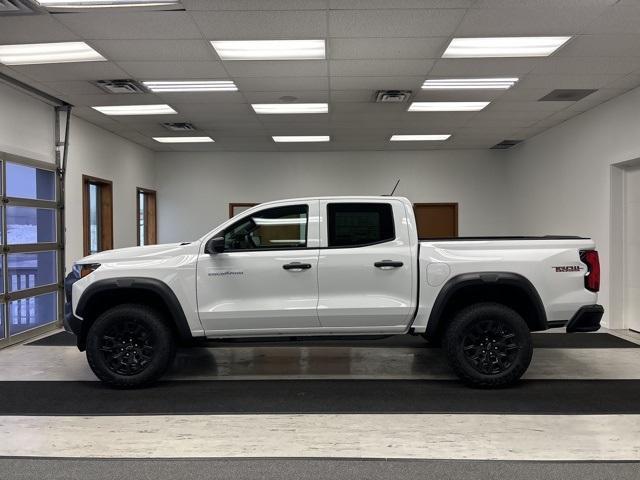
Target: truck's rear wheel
x,y
130,346
488,345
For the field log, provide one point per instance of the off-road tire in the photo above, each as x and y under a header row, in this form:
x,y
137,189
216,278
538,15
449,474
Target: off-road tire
x,y
130,346
488,345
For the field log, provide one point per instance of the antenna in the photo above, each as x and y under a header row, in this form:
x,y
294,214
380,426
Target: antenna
x,y
394,188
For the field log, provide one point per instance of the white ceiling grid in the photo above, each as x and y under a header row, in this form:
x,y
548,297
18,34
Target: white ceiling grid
x,y
371,45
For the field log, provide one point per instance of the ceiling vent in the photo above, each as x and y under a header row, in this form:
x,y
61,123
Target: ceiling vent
x,y
566,95
392,96
121,86
503,145
179,127
17,7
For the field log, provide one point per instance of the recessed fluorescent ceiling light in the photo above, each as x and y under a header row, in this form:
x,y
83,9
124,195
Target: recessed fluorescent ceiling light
x,y
275,108
447,106
270,49
418,138
33,53
469,83
301,138
192,86
183,139
503,47
105,3
136,110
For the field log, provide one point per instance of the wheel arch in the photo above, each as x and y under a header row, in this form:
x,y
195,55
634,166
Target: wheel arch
x,y
104,294
510,289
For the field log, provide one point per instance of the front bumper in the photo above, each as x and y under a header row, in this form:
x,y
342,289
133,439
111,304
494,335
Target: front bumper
x,y
72,324
587,319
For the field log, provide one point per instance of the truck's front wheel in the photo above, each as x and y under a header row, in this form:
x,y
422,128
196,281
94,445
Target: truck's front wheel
x,y
130,346
488,345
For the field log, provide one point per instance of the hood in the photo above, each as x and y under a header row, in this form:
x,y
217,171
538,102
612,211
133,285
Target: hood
x,y
149,252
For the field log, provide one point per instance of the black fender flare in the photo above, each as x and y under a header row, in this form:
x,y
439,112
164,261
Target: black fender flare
x,y
153,285
465,280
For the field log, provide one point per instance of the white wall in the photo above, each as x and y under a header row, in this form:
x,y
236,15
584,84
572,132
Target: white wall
x,y
94,151
26,125
560,180
194,189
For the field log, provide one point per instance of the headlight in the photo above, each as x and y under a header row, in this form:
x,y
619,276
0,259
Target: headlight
x,y
82,270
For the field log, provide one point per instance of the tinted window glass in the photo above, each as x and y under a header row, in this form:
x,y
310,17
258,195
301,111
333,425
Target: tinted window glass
x,y
280,227
29,182
352,224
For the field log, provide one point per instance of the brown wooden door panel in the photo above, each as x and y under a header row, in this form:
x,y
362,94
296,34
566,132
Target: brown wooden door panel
x,y
436,220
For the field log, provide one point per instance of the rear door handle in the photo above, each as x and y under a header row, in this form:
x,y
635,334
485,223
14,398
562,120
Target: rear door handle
x,y
387,264
297,266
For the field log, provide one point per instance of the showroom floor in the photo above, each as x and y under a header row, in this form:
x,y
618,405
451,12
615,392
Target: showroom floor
x,y
322,408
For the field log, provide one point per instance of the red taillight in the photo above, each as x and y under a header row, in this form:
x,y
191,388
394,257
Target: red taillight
x,y
592,277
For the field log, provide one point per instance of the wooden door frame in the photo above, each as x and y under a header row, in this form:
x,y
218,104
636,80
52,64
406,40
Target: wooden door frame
x,y
442,204
233,205
149,191
106,215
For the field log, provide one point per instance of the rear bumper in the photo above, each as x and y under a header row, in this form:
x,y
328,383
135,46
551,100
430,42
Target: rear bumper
x,y
587,319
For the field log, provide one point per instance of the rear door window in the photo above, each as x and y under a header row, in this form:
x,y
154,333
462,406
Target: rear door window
x,y
359,224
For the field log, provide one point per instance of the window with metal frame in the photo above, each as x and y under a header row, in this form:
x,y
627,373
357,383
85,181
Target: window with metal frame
x,y
30,275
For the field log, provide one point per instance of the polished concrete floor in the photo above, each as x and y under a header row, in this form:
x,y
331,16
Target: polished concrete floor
x,y
600,436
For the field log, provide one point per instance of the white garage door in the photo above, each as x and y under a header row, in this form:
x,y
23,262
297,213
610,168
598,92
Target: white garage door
x,y
632,249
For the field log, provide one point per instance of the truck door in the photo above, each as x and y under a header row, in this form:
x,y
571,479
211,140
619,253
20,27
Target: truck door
x,y
266,279
365,271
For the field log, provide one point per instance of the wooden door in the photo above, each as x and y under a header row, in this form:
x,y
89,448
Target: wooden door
x,y
436,220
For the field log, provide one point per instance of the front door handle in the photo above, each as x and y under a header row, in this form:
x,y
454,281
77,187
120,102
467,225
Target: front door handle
x,y
388,264
297,266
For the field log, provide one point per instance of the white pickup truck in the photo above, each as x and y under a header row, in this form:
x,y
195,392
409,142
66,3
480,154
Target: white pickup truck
x,y
331,266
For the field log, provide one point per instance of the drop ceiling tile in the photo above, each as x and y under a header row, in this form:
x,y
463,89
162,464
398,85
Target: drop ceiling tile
x,y
524,21
351,95
262,25
519,94
617,20
601,45
386,48
552,82
131,25
277,97
376,83
278,84
457,95
587,65
625,83
370,108
545,4
174,70
54,72
397,4
112,99
155,50
534,106
595,99
476,67
346,68
394,23
196,5
285,68
33,29
202,97
79,87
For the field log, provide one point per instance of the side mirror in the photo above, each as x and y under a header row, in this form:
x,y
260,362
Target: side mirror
x,y
214,245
